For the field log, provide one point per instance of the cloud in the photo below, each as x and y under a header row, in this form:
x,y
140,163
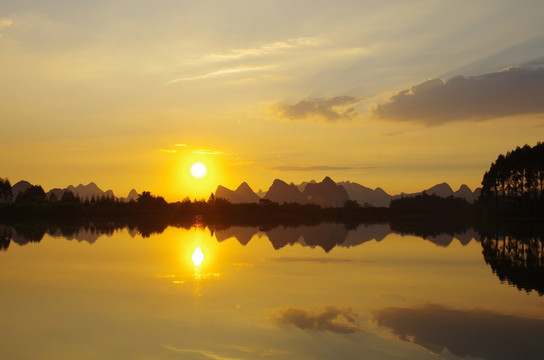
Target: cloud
x,y
4,24
466,333
207,152
240,162
327,109
513,91
330,319
168,151
268,49
223,72
310,168
200,354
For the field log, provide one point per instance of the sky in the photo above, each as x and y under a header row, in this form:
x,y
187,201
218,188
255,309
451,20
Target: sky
x,y
400,95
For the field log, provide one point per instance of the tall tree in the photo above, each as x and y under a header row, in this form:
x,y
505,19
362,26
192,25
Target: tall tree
x,y
6,193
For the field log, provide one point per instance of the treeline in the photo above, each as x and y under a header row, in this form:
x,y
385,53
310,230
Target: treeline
x,y
514,183
156,212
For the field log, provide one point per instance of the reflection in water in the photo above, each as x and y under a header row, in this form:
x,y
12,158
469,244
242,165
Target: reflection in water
x,y
475,333
518,261
198,256
331,319
297,303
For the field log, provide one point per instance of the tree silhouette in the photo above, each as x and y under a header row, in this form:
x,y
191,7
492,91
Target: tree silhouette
x,y
34,194
5,190
68,196
514,183
518,174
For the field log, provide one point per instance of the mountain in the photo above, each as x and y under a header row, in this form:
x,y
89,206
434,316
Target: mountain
x,y
86,191
56,191
303,184
326,193
280,192
442,190
19,187
364,195
132,195
467,194
243,194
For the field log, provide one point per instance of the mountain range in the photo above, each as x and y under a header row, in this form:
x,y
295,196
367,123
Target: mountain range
x,y
83,191
327,193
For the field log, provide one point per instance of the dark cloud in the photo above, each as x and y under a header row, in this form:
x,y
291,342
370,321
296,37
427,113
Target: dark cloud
x,y
513,91
475,333
327,109
330,318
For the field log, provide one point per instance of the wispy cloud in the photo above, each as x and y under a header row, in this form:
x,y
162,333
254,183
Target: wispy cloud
x,y
240,162
513,91
329,319
327,109
207,152
311,168
207,355
168,151
5,23
180,145
268,49
224,72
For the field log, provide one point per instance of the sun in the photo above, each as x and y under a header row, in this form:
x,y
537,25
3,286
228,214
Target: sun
x,y
198,170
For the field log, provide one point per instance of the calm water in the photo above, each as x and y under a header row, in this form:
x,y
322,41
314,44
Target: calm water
x,y
303,293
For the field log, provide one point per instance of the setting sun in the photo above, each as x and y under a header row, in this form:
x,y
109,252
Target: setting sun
x,y
198,170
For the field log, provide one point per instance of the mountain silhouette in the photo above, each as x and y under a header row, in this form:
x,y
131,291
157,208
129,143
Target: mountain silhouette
x,y
132,195
326,193
445,190
242,194
281,192
88,191
364,195
21,186
83,191
330,194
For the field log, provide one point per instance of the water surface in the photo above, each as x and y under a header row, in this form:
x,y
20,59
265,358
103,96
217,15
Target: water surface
x,y
288,293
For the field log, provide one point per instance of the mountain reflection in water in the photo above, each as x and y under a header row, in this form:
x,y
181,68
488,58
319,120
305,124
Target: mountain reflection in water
x,y
273,292
515,257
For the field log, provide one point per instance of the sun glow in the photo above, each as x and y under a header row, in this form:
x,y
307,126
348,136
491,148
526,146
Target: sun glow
x,y
198,256
198,170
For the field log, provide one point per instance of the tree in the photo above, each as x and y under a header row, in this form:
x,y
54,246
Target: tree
x,y
518,174
34,194
68,196
6,193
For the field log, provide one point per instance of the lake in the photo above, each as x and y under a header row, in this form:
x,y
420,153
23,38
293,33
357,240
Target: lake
x,y
321,292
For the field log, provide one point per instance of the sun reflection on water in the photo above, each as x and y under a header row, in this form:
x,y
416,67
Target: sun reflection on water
x,y
198,256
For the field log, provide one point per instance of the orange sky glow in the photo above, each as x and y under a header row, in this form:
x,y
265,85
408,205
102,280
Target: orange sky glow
x,y
397,95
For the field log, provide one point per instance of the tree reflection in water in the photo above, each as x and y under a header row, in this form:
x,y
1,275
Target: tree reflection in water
x,y
517,261
515,251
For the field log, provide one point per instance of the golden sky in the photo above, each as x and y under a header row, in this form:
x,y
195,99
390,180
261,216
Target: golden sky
x,y
400,95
